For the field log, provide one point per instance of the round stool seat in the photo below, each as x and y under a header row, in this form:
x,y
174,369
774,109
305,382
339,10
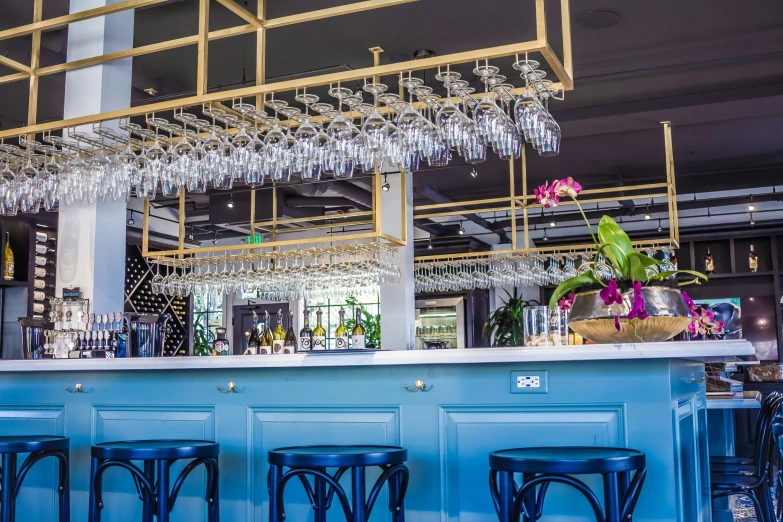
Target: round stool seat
x,y
337,456
33,443
156,449
567,460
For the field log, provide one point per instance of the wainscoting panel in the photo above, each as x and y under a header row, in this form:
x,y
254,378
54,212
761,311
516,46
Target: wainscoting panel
x,y
272,428
469,433
112,423
37,499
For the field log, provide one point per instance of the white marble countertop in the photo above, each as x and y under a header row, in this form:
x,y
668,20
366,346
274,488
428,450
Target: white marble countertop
x,y
740,401
706,351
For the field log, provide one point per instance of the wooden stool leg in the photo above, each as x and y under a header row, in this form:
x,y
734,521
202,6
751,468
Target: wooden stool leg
x,y
65,488
506,496
358,494
274,484
612,499
164,478
320,489
214,508
148,509
8,484
95,512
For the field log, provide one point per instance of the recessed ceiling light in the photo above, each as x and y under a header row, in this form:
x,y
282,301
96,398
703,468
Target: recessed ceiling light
x,y
230,203
599,19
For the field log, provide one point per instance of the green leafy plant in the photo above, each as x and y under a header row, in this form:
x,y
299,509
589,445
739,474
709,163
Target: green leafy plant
x,y
505,324
202,336
370,322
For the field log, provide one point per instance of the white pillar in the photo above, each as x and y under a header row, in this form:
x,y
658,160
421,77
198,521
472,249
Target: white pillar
x,y
398,307
91,246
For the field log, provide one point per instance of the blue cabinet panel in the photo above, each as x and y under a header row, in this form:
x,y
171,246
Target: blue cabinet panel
x,y
470,433
111,423
271,428
37,500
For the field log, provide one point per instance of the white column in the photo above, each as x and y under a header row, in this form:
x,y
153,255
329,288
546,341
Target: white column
x,y
398,307
91,245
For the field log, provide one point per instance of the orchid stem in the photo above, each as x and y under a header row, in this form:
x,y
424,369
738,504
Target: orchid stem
x,y
589,226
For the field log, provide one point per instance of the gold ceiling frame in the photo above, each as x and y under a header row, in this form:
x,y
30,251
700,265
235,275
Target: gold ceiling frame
x,y
525,204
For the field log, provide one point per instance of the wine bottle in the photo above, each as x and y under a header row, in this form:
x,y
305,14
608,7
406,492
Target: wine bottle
x,y
358,335
39,296
42,261
38,308
43,250
8,264
278,337
40,284
753,260
709,266
253,342
289,345
306,334
319,334
41,272
267,341
43,238
341,334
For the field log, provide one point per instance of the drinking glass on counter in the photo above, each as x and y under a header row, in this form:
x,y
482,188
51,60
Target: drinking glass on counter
x,y
545,327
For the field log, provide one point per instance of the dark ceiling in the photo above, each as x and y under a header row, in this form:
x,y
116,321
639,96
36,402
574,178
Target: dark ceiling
x,y
712,67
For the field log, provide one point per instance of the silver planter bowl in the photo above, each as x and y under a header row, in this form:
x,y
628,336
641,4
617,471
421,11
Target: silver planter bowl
x,y
593,320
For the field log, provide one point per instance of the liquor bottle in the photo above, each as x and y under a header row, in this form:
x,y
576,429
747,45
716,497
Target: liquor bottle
x,y
278,337
289,345
40,284
267,341
709,266
41,272
8,265
358,334
306,334
341,334
42,261
221,345
254,342
319,334
43,238
753,260
43,250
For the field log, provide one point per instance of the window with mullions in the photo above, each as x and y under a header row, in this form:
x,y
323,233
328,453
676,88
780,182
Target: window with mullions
x,y
331,315
208,312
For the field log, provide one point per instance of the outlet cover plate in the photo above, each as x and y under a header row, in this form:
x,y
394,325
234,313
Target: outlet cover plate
x,y
529,377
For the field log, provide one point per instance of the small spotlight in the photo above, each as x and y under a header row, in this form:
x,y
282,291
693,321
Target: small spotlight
x,y
647,214
214,241
385,187
752,221
230,203
751,207
545,238
131,221
429,245
190,236
660,228
474,172
553,223
461,230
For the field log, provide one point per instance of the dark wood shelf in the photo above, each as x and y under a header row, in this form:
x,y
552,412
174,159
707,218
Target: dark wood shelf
x,y
739,274
12,282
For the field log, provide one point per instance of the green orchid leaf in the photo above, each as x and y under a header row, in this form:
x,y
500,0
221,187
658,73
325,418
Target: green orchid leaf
x,y
569,285
637,265
609,232
668,273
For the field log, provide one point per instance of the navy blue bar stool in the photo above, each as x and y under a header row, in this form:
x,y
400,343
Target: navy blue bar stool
x,y
39,448
153,482
540,467
304,461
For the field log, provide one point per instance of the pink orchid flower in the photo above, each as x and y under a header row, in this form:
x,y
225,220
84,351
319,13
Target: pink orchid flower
x,y
545,195
567,303
567,187
610,295
618,325
637,303
689,302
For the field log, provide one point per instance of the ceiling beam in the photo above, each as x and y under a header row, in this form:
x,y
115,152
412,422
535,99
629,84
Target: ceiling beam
x,y
62,21
331,11
243,13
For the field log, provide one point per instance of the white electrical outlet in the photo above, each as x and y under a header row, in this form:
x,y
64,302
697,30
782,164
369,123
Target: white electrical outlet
x,y
528,381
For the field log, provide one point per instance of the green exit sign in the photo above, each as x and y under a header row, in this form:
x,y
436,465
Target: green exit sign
x,y
254,240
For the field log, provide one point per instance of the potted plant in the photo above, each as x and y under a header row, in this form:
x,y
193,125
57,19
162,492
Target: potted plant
x,y
505,325
633,303
202,337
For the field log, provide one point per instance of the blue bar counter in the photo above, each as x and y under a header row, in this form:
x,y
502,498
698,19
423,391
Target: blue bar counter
x,y
649,396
